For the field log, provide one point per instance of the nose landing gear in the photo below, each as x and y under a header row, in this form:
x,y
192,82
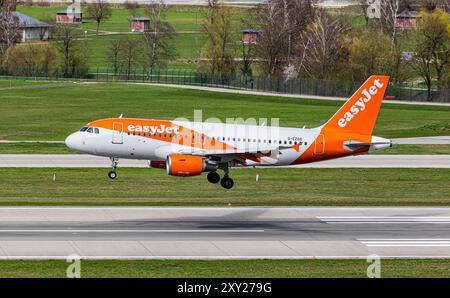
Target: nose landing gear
x,y
112,174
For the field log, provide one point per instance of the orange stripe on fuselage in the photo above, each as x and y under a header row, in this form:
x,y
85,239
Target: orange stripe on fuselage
x,y
333,147
163,130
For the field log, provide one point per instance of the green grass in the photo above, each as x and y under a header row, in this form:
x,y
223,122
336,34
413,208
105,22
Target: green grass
x,y
437,268
279,187
187,21
8,82
53,113
186,45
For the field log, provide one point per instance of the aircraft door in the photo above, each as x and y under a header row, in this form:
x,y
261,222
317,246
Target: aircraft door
x,y
319,145
117,133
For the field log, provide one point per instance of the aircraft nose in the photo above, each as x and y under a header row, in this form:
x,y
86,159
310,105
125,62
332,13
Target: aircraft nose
x,y
73,141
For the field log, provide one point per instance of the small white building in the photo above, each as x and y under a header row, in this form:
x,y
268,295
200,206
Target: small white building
x,y
30,28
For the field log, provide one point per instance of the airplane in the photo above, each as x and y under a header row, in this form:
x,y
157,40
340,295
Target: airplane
x,y
186,148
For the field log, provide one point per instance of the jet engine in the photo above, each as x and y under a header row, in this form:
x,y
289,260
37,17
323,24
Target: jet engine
x,y
188,165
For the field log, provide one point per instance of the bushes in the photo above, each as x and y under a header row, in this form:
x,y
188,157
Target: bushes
x,y
32,58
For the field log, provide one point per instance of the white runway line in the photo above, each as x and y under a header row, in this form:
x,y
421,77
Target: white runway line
x,y
385,220
124,231
437,242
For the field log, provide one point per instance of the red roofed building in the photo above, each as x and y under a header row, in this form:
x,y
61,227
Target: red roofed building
x,y
139,24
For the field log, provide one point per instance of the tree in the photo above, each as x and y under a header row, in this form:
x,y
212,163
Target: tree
x,y
322,49
432,53
389,11
131,49
31,58
247,60
220,48
368,52
132,7
100,11
73,61
280,23
113,54
9,25
159,38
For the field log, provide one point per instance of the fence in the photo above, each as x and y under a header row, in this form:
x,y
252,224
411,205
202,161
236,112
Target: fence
x,y
412,92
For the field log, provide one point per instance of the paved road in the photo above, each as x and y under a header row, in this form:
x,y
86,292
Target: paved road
x,y
262,93
223,233
362,161
438,140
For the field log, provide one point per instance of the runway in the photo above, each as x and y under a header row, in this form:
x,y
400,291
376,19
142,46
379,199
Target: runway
x,y
361,161
224,233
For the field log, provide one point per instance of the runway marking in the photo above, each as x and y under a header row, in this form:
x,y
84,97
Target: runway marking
x,y
126,231
437,242
385,219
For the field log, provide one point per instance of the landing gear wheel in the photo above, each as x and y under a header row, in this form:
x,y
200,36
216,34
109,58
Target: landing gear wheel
x,y
227,182
112,175
213,177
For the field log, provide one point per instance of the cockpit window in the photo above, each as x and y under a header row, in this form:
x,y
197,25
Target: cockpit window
x,y
84,128
89,130
96,130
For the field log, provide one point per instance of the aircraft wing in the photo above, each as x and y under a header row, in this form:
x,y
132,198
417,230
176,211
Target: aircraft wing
x,y
209,152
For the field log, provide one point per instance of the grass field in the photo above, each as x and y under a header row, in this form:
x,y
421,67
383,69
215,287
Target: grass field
x,y
228,269
187,21
280,187
53,113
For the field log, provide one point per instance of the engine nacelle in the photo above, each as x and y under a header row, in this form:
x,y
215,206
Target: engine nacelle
x,y
157,164
187,165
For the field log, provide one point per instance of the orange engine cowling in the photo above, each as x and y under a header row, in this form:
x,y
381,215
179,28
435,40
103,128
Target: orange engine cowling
x,y
185,165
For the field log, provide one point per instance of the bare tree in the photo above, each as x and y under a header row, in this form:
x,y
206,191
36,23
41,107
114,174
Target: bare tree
x,y
389,10
322,48
132,7
131,48
66,35
219,49
159,38
280,22
100,11
113,54
9,28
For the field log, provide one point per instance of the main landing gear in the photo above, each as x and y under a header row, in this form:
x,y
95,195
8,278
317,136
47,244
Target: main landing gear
x,y
226,182
112,174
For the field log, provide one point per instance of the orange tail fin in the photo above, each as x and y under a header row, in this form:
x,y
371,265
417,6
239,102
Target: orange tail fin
x,y
360,112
